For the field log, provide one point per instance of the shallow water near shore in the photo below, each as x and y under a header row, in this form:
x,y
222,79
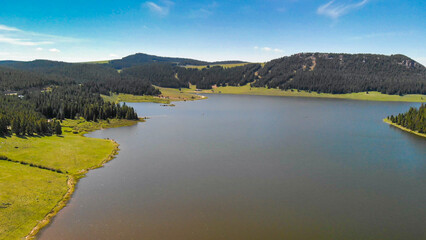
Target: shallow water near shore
x,y
254,167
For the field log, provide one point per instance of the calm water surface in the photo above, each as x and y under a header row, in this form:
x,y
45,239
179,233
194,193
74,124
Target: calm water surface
x,y
254,167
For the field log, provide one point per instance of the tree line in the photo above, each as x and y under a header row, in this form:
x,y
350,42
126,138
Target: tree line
x,y
414,119
19,117
40,112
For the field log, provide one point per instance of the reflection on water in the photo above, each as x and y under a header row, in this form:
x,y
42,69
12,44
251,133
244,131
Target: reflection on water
x,y
249,167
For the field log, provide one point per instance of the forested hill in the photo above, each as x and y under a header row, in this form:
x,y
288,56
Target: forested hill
x,y
344,73
142,58
320,72
43,73
13,80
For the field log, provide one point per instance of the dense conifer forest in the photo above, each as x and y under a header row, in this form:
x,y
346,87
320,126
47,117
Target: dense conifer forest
x,y
29,114
414,119
345,73
324,73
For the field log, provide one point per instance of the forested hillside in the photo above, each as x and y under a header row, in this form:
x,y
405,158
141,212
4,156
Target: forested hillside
x,y
414,119
326,73
12,79
320,72
345,73
99,78
28,115
141,59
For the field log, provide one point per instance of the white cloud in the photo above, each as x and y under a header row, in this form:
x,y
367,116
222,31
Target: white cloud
x,y
22,42
7,28
113,55
39,49
336,10
268,49
15,36
162,9
54,50
204,12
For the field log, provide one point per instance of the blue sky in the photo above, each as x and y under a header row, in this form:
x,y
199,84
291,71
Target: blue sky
x,y
250,30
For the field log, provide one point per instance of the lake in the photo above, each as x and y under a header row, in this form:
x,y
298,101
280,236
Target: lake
x,y
254,167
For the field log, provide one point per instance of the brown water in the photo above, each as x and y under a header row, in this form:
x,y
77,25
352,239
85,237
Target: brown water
x,y
249,167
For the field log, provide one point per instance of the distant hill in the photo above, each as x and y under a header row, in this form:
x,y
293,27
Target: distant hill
x,y
320,72
142,58
126,62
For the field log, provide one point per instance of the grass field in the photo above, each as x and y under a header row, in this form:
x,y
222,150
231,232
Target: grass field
x,y
68,153
27,194
133,98
371,96
222,65
167,96
81,126
98,62
30,196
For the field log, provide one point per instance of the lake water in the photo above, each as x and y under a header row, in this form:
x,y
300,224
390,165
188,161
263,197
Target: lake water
x,y
255,167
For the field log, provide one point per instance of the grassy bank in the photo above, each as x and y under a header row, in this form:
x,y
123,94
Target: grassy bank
x,y
31,194
231,65
403,128
27,195
370,96
167,96
82,126
116,98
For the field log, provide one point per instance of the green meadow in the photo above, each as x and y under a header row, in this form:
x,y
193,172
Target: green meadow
x,y
30,193
367,96
167,96
231,65
27,194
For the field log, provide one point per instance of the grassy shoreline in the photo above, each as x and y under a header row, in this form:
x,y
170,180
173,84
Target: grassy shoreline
x,y
370,96
33,158
404,128
190,94
71,183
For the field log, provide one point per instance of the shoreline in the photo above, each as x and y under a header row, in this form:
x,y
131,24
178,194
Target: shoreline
x,y
72,181
363,96
404,128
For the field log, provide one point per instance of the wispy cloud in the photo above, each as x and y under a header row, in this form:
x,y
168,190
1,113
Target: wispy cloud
x,y
335,9
268,49
39,49
7,28
113,55
54,50
16,36
22,42
162,9
204,12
